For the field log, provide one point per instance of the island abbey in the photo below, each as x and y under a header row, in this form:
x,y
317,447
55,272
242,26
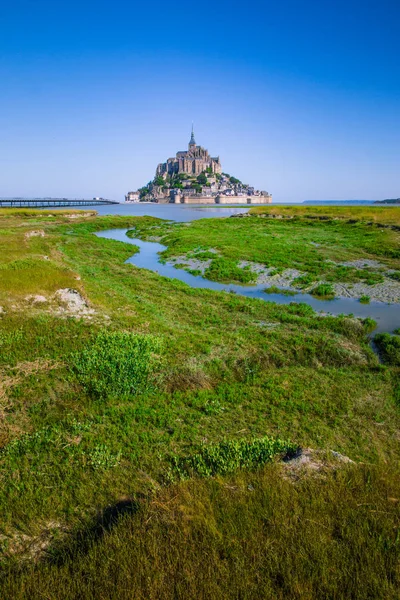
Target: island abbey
x,y
195,177
193,161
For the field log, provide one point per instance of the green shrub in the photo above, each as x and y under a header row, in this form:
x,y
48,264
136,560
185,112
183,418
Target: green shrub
x,y
229,456
369,324
226,270
273,289
395,275
323,290
397,331
389,348
365,299
116,363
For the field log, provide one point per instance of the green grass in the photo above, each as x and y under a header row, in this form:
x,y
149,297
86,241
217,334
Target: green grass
x,y
365,299
227,271
366,214
323,290
217,373
273,289
253,535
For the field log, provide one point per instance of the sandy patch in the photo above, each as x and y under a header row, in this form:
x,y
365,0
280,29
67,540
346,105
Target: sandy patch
x,y
191,264
31,547
81,215
36,299
307,461
268,277
73,304
34,233
363,264
387,291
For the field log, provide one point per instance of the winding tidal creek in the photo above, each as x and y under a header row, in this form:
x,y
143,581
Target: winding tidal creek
x,y
387,316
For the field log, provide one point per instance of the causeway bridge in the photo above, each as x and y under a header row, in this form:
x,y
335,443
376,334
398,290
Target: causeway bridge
x,y
52,202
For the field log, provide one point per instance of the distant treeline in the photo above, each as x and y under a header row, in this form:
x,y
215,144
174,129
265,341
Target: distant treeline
x,y
389,201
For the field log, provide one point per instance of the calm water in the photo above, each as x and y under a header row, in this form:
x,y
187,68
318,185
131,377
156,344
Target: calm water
x,y
387,316
173,212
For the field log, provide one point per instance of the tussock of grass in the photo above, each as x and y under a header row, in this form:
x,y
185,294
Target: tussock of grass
x,y
389,348
273,289
323,290
227,271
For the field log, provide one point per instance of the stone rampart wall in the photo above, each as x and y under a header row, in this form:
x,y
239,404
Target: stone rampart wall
x,y
221,199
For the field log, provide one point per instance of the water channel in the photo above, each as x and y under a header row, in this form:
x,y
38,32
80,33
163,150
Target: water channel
x,y
387,316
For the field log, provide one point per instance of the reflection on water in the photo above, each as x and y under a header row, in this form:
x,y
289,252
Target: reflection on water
x,y
386,315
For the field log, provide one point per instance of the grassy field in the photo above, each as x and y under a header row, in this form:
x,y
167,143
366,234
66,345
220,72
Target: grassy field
x,y
177,476
367,214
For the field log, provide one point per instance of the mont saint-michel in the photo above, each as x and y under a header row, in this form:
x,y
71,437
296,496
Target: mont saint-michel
x,y
195,177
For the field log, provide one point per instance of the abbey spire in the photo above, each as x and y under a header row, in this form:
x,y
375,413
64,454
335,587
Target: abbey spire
x,y
192,142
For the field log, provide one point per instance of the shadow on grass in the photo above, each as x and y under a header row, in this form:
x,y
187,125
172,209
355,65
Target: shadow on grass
x,y
80,542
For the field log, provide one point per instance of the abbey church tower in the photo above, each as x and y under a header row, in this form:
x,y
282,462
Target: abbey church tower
x,y
193,161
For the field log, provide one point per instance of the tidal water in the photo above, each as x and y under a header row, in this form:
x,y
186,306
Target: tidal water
x,y
387,316
173,212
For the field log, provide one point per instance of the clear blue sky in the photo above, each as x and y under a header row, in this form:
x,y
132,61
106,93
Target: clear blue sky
x,y
300,98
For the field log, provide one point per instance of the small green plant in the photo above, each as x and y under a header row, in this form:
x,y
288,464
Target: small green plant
x,y
323,290
365,299
273,289
395,275
304,280
229,456
397,331
389,348
226,270
116,363
374,278
102,458
369,324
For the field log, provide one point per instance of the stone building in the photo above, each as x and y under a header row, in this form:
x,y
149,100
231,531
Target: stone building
x,y
193,161
132,197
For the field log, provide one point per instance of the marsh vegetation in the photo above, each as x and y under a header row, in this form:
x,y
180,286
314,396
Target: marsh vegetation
x,y
148,430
